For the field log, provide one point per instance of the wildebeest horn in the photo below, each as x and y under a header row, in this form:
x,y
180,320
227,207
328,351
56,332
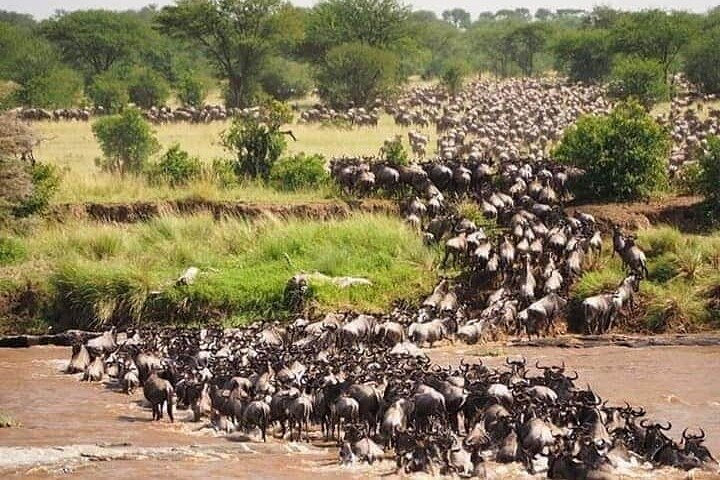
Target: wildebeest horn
x,y
702,434
575,377
669,426
540,367
684,434
643,423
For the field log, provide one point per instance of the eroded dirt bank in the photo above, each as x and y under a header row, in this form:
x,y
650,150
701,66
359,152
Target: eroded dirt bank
x,y
88,431
141,211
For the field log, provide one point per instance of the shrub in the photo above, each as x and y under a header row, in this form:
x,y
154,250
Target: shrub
x,y
222,172
709,175
176,167
453,74
299,171
393,152
45,182
110,91
11,251
284,79
127,141
639,79
147,88
702,61
192,89
356,74
258,143
624,154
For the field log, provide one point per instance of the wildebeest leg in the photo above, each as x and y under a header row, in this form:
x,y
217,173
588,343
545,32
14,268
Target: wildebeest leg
x,y
170,407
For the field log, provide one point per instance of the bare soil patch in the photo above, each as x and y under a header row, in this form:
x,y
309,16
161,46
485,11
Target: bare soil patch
x,y
684,212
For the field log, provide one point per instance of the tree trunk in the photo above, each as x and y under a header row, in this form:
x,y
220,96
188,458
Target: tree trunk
x,y
235,91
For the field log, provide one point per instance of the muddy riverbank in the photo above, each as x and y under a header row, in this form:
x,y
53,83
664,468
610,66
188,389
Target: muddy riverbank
x,y
80,430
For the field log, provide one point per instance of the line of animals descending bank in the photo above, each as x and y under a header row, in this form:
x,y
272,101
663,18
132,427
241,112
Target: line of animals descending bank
x,y
353,379
519,260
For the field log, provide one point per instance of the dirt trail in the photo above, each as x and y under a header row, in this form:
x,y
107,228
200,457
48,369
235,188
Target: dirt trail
x,y
88,431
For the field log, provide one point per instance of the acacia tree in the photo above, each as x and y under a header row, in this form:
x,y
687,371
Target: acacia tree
x,y
584,55
529,40
458,17
356,74
702,62
94,41
653,34
378,23
236,35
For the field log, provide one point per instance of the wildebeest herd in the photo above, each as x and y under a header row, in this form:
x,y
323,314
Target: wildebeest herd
x,y
365,381
492,152
340,378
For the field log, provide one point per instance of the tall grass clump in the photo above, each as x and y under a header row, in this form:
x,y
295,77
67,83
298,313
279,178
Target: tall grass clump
x,y
604,279
12,251
659,240
100,274
682,291
675,305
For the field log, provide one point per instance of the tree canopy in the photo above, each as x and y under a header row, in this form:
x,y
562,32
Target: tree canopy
x,y
236,35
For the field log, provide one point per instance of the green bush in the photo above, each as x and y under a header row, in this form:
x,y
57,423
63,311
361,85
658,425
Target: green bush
x,y
258,143
127,142
624,154
709,175
356,74
192,89
222,171
176,167
45,182
110,91
11,251
299,171
639,79
147,88
284,79
393,152
453,74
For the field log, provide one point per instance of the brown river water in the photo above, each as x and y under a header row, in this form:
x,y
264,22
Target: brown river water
x,y
71,429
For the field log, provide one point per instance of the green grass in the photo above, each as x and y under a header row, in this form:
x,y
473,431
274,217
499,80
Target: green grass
x,y
98,273
682,291
72,147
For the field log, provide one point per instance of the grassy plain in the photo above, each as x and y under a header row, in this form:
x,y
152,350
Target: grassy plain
x,y
72,147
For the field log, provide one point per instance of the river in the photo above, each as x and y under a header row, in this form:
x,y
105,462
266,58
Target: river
x,y
81,430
